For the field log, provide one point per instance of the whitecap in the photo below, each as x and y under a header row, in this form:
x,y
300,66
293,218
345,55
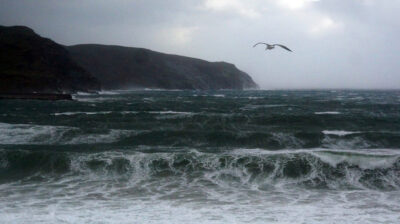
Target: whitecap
x,y
220,194
95,99
111,136
20,134
365,152
362,160
356,98
84,94
328,112
129,112
254,98
148,99
104,92
250,107
81,112
339,132
171,112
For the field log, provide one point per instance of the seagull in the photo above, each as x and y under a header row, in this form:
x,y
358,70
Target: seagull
x,y
272,46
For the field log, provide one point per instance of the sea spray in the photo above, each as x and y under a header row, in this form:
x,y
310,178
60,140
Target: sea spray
x,y
148,156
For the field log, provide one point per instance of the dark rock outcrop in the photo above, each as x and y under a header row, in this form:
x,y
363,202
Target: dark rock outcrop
x,y
35,96
123,67
30,63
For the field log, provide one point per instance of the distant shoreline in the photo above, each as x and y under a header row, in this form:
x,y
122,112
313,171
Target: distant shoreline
x,y
35,96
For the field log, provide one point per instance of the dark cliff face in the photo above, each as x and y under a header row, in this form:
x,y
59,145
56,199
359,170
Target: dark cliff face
x,y
123,68
30,63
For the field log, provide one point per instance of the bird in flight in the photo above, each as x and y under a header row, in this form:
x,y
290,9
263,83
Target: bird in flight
x,y
272,46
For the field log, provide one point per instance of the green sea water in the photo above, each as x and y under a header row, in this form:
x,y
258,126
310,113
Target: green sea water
x,y
154,156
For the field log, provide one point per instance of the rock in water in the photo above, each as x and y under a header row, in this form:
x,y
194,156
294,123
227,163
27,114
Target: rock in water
x,y
124,67
30,63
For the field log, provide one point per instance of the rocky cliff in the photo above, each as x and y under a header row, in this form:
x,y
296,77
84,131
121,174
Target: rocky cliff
x,y
30,63
124,67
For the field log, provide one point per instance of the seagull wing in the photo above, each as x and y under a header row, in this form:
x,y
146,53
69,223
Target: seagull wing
x,y
284,47
260,43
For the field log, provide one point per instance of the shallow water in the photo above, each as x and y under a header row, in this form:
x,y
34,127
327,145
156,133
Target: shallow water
x,y
202,157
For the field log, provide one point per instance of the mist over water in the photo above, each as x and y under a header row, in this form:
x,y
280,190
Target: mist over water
x,y
202,157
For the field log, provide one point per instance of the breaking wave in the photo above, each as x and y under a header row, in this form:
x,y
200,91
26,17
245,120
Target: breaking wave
x,y
260,169
24,134
194,134
215,156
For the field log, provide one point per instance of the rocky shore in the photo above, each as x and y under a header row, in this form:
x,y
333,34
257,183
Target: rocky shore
x,y
35,96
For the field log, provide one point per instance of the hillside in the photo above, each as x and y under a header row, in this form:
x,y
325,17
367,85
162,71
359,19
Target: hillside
x,y
30,63
123,67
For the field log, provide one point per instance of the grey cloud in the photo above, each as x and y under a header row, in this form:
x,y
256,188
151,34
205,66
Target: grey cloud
x,y
337,43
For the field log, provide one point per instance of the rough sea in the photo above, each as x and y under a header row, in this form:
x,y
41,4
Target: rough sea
x,y
154,156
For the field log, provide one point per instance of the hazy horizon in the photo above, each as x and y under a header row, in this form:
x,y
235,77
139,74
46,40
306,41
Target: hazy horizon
x,y
342,44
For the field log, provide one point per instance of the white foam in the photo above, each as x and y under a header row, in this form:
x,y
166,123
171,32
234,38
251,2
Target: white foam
x,y
22,134
366,152
328,112
212,198
129,112
163,90
104,92
287,140
151,99
84,94
109,137
252,107
93,113
85,201
362,160
218,95
81,112
356,98
356,142
95,99
339,132
19,134
254,98
171,112
121,112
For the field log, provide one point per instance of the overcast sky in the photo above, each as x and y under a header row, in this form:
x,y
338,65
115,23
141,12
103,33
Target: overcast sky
x,y
336,43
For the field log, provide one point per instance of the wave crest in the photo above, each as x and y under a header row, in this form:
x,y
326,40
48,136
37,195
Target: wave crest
x,y
241,168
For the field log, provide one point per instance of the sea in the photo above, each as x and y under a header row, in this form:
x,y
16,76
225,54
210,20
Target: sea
x,y
156,156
